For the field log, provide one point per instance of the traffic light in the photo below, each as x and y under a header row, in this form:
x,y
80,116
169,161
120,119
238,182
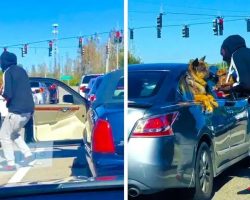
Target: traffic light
x,y
215,26
185,31
159,21
107,49
118,37
131,34
221,27
80,42
159,25
158,32
248,25
23,52
50,47
82,51
25,49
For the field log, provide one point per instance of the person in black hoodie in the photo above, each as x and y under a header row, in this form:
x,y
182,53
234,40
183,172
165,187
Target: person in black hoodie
x,y
17,92
237,56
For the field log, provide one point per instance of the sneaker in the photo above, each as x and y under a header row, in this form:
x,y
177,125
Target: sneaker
x,y
9,168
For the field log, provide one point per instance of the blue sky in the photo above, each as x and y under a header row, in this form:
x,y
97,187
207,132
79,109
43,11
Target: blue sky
x,y
28,20
172,47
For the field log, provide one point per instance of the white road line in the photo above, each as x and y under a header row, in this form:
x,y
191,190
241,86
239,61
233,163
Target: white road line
x,y
21,172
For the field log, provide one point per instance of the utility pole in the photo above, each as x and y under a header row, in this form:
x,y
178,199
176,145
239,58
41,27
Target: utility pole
x,y
117,55
55,33
107,55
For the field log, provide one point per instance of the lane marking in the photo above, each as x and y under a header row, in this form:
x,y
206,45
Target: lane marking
x,y
21,172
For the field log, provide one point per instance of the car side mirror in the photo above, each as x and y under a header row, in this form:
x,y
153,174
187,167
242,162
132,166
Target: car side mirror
x,y
68,98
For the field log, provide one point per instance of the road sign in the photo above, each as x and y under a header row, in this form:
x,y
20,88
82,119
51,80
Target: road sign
x,y
66,78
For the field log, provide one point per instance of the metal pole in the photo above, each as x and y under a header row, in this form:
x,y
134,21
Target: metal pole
x,y
55,32
117,55
107,58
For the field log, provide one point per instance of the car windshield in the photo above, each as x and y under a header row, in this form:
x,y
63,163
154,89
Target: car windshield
x,y
144,84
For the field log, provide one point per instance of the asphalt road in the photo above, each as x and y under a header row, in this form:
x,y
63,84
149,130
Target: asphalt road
x,y
51,163
230,185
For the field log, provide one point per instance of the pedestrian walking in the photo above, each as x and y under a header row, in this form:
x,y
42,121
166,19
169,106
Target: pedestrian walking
x,y
19,101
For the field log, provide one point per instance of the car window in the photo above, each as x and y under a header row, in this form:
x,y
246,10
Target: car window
x,y
34,84
87,78
143,84
119,91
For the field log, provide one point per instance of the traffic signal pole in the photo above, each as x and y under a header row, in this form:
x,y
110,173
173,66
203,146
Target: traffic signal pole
x,y
107,56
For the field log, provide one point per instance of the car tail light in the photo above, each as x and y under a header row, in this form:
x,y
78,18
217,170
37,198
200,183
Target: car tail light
x,y
102,138
92,98
156,126
52,87
83,88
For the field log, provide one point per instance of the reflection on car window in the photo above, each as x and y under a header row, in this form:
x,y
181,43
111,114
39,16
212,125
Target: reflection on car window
x,y
119,91
184,91
143,84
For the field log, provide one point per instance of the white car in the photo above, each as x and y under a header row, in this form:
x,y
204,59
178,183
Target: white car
x,y
40,92
84,84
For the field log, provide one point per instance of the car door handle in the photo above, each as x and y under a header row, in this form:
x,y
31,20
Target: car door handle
x,y
230,111
65,109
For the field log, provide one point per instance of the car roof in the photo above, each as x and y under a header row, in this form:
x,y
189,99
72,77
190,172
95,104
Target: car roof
x,y
175,68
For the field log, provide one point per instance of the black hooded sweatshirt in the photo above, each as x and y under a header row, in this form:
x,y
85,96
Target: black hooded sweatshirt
x,y
235,46
16,86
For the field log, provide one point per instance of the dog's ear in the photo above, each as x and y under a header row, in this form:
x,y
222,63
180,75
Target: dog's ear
x,y
195,62
203,58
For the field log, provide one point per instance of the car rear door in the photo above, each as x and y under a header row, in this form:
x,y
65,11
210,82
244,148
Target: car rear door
x,y
239,138
62,121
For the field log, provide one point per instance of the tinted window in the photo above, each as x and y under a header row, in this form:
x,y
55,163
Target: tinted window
x,y
34,84
184,91
119,91
87,78
98,82
142,84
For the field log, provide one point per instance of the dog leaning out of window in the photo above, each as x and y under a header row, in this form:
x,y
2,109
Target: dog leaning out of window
x,y
196,78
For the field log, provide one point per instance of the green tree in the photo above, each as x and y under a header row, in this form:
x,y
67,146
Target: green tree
x,y
132,59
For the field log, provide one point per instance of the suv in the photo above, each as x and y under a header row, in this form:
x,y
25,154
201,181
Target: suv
x,y
84,83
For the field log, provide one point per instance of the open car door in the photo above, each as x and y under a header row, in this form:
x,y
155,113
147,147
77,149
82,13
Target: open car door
x,y
63,118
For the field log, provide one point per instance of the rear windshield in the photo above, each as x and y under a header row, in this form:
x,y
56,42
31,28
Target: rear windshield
x,y
119,91
143,84
34,84
87,78
98,82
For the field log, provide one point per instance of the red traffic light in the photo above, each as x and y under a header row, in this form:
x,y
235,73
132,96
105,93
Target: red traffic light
x,y
50,44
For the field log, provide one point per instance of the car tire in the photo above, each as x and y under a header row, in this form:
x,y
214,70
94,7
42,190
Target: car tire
x,y
203,173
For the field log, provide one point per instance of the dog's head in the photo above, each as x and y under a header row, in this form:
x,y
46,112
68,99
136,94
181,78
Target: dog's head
x,y
199,68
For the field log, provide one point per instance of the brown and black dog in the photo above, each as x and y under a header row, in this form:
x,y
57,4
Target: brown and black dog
x,y
196,75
